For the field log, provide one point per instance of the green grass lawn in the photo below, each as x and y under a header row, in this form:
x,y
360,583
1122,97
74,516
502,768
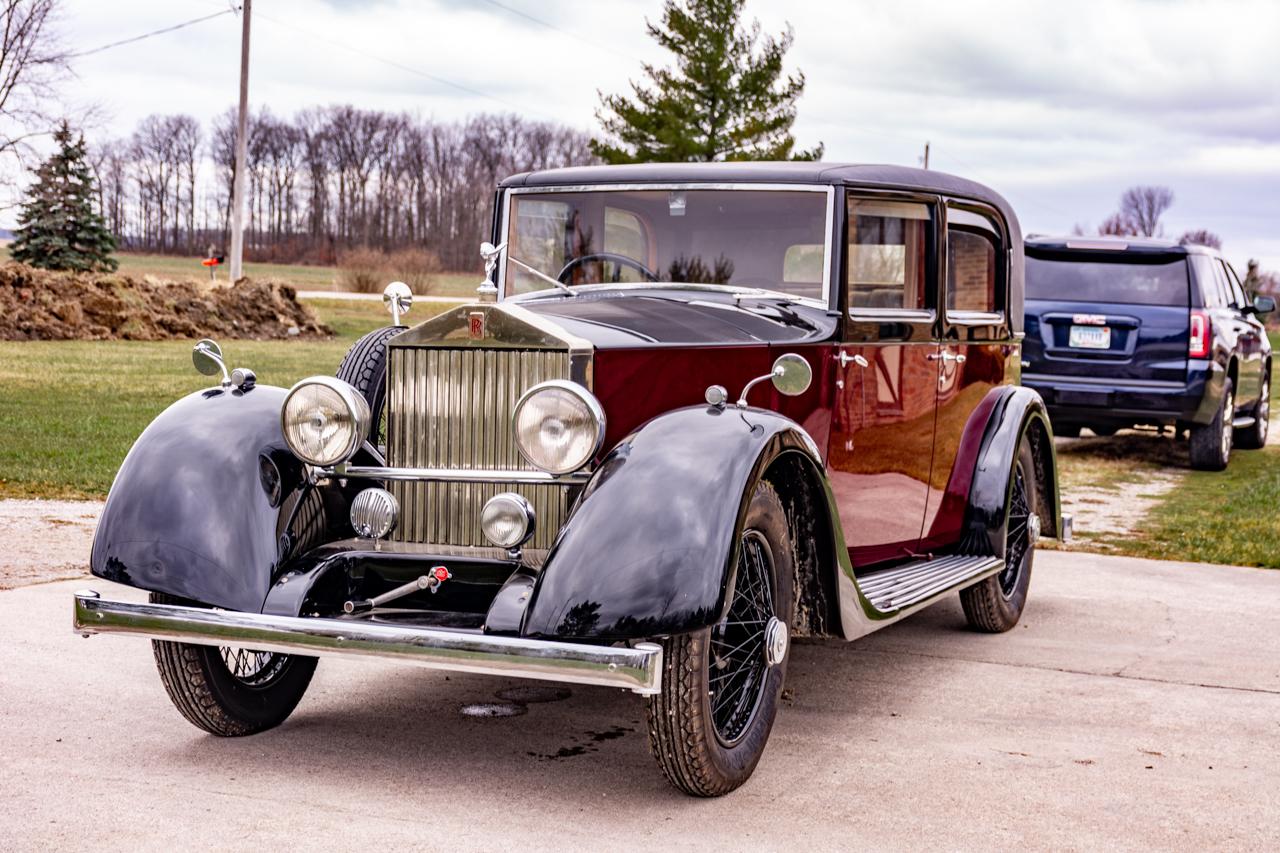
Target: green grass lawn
x,y
70,410
300,276
1230,516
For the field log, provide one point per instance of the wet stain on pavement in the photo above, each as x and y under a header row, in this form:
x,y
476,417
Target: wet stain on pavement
x,y
587,743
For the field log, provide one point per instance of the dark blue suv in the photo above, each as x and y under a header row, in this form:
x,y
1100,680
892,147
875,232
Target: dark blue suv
x,y
1124,332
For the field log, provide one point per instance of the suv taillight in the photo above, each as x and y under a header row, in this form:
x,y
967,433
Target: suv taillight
x,y
1201,335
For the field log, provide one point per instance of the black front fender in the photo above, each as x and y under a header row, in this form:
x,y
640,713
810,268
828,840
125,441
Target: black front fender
x,y
201,506
650,548
1019,412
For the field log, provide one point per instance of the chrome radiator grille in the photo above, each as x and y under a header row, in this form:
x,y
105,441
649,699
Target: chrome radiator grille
x,y
451,408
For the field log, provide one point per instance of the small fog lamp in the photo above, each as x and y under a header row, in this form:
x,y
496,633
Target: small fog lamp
x,y
507,520
374,513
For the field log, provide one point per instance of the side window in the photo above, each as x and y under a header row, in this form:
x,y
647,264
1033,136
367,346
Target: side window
x,y
1208,282
971,271
1234,286
888,253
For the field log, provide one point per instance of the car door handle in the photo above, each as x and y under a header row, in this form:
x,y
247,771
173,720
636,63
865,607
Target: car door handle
x,y
845,359
947,355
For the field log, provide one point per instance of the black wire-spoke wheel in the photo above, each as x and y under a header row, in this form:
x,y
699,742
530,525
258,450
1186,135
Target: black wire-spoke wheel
x,y
738,653
996,603
721,685
1018,533
229,691
253,668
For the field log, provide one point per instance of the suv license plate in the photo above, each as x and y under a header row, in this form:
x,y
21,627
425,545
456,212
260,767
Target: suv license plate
x,y
1090,337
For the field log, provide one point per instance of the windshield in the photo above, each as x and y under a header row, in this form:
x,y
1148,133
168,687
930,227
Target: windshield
x,y
771,239
1130,280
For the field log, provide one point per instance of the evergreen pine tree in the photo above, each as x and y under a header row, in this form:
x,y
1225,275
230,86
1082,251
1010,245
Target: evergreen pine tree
x,y
725,99
58,228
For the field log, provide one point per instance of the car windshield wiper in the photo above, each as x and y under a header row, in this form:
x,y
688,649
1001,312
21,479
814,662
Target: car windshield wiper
x,y
540,274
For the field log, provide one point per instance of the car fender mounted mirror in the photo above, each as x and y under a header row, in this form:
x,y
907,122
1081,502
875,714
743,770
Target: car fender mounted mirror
x,y
791,375
398,298
1263,304
208,361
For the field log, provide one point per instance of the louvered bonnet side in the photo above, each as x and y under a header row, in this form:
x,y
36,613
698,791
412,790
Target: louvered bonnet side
x,y
452,386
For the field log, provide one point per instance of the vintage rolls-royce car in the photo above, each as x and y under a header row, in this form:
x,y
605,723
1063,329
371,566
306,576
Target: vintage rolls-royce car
x,y
696,411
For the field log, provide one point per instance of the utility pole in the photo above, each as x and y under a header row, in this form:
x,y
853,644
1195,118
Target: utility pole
x,y
926,145
237,189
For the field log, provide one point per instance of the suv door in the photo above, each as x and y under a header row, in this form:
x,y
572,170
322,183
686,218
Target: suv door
x,y
975,353
1249,344
886,378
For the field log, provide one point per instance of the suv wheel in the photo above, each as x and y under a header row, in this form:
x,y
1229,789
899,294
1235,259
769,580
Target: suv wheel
x,y
1211,442
1255,436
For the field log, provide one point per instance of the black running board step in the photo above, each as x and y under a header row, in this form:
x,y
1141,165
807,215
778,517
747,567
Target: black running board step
x,y
903,586
1243,421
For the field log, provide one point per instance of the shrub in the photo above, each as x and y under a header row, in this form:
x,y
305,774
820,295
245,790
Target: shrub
x,y
362,270
365,270
416,268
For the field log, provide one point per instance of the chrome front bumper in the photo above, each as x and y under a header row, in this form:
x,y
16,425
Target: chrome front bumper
x,y
638,669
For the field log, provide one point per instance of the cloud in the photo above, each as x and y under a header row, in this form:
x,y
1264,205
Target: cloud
x,y
1057,106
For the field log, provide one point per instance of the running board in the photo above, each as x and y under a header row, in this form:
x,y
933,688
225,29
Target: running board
x,y
1243,421
903,586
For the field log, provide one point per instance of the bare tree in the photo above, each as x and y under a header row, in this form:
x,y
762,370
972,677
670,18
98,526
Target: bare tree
x,y
1118,225
1200,237
1143,207
31,63
324,181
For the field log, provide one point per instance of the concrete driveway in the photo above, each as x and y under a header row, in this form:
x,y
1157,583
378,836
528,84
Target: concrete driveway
x,y
1136,706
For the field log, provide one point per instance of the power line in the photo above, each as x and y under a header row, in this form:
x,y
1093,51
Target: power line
x,y
150,34
610,50
416,71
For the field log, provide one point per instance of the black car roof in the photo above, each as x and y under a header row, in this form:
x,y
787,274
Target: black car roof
x,y
770,172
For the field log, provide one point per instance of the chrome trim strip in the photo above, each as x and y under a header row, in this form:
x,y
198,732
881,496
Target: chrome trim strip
x,y
1061,380
638,669
891,315
975,318
828,189
453,475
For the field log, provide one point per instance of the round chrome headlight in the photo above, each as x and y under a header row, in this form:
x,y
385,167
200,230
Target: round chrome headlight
x,y
324,420
507,520
559,426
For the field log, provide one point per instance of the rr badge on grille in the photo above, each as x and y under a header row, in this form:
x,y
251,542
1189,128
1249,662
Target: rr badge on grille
x,y
475,322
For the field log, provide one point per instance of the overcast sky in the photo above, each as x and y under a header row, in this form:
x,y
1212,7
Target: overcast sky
x,y
1059,106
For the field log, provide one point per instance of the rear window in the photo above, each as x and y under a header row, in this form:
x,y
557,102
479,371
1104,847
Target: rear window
x,y
1161,283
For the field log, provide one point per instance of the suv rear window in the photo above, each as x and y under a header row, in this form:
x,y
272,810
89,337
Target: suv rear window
x,y
1127,281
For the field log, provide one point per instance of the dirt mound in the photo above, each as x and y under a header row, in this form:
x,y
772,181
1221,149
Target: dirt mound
x,y
41,305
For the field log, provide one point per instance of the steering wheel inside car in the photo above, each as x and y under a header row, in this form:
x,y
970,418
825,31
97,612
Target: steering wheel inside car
x,y
619,261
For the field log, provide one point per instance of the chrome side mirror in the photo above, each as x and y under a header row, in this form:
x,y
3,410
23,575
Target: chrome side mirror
x,y
1263,304
398,298
207,358
791,375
